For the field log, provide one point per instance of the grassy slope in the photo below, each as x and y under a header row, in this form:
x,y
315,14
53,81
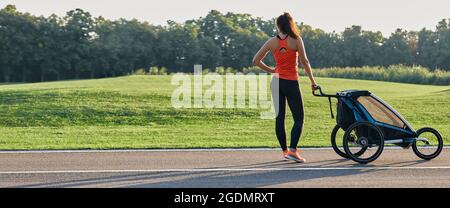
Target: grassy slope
x,y
135,112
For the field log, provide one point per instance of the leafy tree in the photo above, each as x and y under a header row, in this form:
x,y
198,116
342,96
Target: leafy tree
x,y
426,45
443,44
360,47
77,30
396,49
78,45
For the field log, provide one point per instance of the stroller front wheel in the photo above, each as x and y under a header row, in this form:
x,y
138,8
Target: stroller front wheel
x,y
428,143
363,136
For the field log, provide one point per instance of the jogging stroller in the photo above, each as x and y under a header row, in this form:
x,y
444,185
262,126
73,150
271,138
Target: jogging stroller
x,y
370,123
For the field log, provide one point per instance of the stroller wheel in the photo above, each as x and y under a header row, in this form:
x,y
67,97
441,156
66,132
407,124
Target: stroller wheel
x,y
428,143
337,144
363,142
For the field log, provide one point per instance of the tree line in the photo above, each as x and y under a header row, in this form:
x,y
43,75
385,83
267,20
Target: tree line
x,y
78,45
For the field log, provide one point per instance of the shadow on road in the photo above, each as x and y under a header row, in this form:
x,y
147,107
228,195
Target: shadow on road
x,y
220,178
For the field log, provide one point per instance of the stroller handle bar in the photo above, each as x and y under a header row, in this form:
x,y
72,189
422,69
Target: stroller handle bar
x,y
321,94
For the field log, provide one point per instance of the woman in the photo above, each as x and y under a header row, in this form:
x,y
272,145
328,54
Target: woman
x,y
287,47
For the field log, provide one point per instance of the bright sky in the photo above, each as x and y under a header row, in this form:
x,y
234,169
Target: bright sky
x,y
330,15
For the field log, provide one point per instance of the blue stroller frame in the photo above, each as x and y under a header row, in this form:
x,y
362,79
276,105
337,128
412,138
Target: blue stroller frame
x,y
370,123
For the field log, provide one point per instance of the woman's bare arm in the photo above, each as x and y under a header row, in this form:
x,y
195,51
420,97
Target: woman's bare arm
x,y
305,62
260,55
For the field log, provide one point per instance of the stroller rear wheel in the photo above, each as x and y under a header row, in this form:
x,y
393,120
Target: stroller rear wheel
x,y
428,144
363,137
337,144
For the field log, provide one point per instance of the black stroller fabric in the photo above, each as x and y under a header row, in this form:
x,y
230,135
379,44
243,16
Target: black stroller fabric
x,y
344,117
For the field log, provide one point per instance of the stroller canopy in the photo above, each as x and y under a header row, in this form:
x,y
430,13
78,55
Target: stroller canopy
x,y
376,108
380,111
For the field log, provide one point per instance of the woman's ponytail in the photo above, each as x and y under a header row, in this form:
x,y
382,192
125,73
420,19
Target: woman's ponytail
x,y
286,25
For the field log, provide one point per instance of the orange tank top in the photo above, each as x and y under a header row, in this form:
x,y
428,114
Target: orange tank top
x,y
286,61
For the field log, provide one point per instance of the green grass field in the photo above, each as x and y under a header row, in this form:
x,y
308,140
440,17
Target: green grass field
x,y
135,112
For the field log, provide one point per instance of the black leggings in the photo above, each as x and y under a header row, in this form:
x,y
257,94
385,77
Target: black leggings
x,y
290,90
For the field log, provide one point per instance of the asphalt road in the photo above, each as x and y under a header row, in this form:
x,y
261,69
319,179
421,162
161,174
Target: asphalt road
x,y
218,168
